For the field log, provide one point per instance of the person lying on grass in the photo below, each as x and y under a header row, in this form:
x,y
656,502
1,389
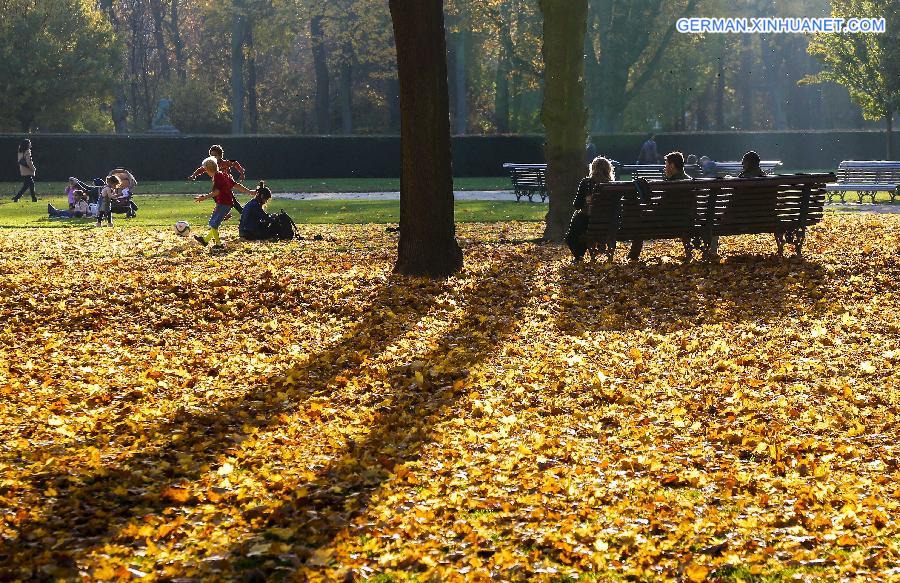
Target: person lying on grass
x,y
76,211
223,194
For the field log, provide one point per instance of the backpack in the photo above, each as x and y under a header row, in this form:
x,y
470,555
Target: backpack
x,y
283,227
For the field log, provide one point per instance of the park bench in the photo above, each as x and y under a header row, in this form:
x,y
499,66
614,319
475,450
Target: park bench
x,y
698,212
655,171
528,180
734,168
866,178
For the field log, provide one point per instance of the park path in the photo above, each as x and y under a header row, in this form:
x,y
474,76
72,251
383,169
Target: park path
x,y
508,195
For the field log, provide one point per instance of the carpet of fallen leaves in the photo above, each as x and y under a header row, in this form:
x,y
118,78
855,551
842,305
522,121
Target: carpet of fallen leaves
x,y
298,412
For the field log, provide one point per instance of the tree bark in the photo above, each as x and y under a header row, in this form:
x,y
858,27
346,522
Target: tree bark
x,y
237,68
563,113
428,245
320,64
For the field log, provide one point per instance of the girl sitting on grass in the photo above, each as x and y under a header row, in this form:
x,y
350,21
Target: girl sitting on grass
x,y
223,194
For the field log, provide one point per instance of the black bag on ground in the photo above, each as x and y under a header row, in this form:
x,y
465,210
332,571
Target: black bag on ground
x,y
283,227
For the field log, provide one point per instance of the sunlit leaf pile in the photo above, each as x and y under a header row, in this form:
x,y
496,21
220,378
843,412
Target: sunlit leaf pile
x,y
295,411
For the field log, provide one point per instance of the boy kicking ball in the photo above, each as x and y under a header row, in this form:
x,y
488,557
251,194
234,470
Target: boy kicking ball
x,y
223,194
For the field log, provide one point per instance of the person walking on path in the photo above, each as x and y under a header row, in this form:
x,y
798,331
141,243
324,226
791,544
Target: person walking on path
x,y
26,170
223,193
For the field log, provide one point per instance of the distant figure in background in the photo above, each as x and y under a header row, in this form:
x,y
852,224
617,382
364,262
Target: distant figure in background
x,y
590,151
26,170
691,159
649,153
707,166
600,170
71,191
750,165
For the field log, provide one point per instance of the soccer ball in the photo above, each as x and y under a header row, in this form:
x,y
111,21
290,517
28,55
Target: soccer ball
x,y
182,228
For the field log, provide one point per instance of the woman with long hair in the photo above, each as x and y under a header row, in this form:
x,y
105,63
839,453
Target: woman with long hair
x,y
27,170
599,170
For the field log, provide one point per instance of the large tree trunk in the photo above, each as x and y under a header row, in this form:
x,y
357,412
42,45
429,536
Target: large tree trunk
x,y
347,90
320,64
238,28
563,113
428,243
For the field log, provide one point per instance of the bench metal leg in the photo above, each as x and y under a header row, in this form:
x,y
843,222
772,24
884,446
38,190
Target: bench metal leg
x,y
795,237
893,194
779,240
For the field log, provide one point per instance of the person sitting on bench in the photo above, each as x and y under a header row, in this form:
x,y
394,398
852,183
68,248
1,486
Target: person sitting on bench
x,y
600,170
750,165
674,170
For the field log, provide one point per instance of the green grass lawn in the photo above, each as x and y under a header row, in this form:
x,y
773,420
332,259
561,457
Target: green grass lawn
x,y
7,189
165,211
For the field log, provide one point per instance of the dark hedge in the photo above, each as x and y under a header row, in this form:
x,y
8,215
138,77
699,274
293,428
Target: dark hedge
x,y
174,158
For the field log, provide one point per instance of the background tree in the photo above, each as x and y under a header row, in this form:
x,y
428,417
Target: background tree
x,y
428,243
868,65
563,113
50,77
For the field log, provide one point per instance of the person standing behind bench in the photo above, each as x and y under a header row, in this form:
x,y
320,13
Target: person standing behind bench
x,y
649,154
27,170
599,170
750,164
674,170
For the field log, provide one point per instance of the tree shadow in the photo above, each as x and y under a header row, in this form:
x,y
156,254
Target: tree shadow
x,y
344,489
88,507
665,297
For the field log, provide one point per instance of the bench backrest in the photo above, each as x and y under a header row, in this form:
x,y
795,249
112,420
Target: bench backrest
x,y
708,206
528,175
734,168
655,171
869,172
